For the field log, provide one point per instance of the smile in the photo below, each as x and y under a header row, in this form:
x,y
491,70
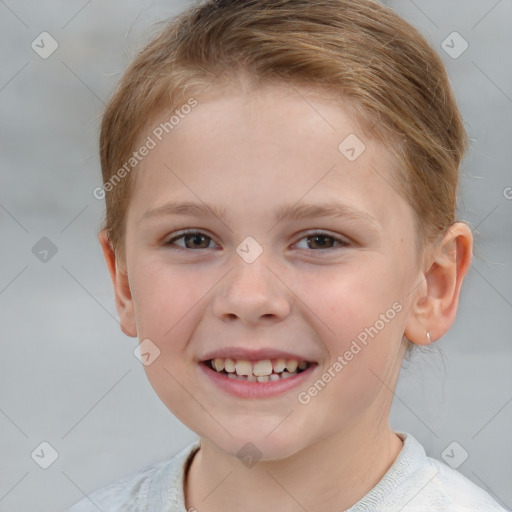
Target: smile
x,y
264,370
265,378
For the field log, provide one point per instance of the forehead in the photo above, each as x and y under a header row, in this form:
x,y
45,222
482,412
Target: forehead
x,y
276,144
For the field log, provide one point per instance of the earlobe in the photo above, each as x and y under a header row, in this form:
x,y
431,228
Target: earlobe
x,y
436,300
119,276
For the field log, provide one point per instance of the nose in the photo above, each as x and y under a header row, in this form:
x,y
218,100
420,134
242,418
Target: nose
x,y
253,293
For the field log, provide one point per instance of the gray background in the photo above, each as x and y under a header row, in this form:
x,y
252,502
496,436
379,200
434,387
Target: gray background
x,y
68,375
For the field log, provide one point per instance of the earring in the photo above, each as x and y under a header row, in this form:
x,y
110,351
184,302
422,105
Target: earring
x,y
428,337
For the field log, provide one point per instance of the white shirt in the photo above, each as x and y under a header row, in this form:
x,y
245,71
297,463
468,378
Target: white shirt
x,y
414,483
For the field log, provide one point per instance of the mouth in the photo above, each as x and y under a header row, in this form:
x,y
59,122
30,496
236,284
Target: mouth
x,y
261,371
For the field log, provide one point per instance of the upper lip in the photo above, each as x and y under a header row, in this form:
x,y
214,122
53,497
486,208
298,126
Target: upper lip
x,y
238,353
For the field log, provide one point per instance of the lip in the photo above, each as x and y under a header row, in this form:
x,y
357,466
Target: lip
x,y
238,353
246,389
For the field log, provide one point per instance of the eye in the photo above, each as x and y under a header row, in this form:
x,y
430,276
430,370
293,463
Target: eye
x,y
192,240
319,240
197,240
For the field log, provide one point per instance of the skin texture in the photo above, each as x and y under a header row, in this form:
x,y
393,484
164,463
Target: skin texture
x,y
250,151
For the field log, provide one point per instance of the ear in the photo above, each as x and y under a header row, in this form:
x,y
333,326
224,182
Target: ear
x,y
436,300
119,276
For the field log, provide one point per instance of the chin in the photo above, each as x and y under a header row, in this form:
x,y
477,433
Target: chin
x,y
255,446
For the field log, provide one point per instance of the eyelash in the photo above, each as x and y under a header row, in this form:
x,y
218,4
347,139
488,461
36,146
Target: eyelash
x,y
341,243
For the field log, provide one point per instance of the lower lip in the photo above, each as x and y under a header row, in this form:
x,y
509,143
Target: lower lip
x,y
246,389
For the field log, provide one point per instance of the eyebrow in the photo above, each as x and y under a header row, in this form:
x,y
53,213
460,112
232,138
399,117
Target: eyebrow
x,y
289,212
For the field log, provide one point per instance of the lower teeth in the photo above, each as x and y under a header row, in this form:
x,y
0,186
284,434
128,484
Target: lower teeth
x,y
252,378
266,378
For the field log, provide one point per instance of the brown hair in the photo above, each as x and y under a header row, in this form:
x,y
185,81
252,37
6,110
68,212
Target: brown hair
x,y
356,50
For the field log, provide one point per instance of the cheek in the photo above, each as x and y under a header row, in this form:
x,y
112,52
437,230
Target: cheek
x,y
168,307
358,313
164,297
349,298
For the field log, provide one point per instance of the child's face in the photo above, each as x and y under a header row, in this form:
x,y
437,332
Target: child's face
x,y
251,154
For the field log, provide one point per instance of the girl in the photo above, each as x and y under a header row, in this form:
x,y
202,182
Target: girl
x,y
280,180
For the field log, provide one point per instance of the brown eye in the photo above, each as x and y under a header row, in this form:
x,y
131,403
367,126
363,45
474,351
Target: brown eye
x,y
318,241
192,240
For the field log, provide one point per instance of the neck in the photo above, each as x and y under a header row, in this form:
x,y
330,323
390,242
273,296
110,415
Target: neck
x,y
332,474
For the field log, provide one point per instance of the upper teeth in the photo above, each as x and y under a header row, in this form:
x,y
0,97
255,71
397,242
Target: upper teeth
x,y
257,368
